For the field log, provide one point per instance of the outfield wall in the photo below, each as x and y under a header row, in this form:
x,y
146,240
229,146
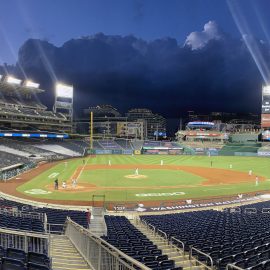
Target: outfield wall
x,y
110,152
189,151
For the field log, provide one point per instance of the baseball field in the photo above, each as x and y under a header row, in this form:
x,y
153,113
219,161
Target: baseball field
x,y
145,178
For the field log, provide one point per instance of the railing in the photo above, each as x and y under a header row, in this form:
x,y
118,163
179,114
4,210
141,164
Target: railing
x,y
148,226
191,257
17,213
235,210
177,244
26,241
162,235
250,211
99,254
45,222
55,228
232,266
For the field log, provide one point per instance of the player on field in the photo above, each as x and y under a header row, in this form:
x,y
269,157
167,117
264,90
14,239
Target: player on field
x,y
56,184
250,172
64,184
256,181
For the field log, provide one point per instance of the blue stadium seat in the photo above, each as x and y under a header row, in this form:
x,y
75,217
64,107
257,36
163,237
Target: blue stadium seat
x,y
17,254
35,266
12,264
38,258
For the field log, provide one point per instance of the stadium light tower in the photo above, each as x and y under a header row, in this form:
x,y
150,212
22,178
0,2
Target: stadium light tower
x,y
13,80
64,100
31,84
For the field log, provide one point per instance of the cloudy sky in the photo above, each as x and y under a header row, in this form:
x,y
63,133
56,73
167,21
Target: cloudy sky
x,y
61,20
169,56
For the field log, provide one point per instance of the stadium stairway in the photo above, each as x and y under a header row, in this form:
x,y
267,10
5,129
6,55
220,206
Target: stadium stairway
x,y
97,224
65,256
180,259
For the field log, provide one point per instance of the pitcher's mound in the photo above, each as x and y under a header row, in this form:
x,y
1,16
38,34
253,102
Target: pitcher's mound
x,y
134,176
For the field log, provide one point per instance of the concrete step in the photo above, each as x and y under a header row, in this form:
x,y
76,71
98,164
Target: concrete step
x,y
65,255
180,259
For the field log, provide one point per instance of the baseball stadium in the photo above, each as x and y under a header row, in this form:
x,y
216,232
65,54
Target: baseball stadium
x,y
121,200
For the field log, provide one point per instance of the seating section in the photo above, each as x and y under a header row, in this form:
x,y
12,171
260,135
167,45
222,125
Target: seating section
x,y
38,113
21,223
54,216
137,145
167,144
242,239
75,146
124,236
109,144
258,206
152,144
124,144
16,259
8,159
25,145
58,148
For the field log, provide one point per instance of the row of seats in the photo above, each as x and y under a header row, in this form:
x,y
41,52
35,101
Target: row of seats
x,y
16,259
226,237
8,159
127,238
21,223
54,216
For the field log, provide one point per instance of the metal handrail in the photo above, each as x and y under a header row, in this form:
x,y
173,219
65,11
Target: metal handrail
x,y
38,242
148,226
178,241
202,253
27,233
117,254
163,233
18,213
232,266
236,210
152,227
49,225
253,211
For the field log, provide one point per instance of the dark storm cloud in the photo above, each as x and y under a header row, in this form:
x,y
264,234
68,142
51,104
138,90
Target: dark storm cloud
x,y
210,72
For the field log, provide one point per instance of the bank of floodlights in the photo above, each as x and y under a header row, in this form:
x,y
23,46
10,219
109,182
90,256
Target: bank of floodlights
x,y
64,90
31,84
266,90
13,80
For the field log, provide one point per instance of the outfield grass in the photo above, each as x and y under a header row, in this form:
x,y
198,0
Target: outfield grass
x,y
190,183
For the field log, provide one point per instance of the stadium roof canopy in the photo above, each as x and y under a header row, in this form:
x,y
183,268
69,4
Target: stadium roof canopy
x,y
8,88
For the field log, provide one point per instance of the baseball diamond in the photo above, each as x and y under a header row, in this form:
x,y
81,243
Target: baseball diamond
x,y
181,177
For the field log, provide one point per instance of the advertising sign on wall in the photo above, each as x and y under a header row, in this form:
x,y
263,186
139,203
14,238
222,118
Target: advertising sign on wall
x,y
265,120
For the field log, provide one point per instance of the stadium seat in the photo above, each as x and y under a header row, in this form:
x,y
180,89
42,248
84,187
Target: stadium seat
x,y
17,254
35,266
38,258
12,264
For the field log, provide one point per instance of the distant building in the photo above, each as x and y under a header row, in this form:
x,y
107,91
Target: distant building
x,y
102,111
154,124
108,123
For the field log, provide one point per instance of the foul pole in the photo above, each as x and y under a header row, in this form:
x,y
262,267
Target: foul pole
x,y
91,130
